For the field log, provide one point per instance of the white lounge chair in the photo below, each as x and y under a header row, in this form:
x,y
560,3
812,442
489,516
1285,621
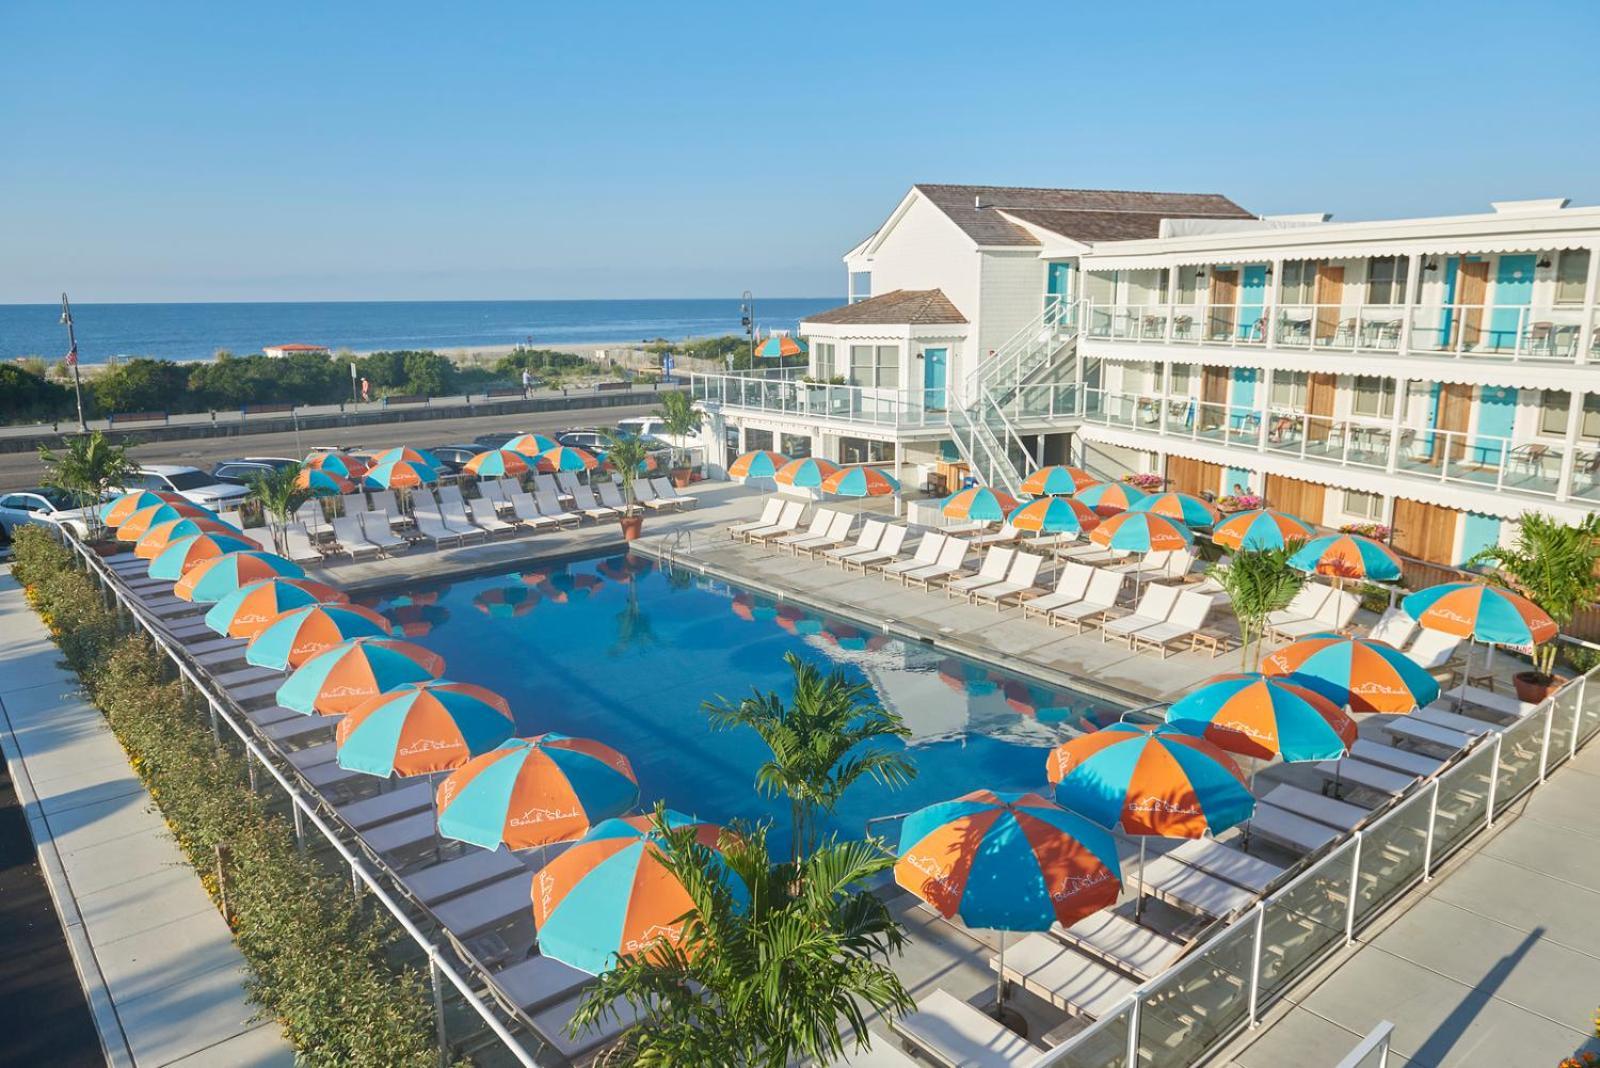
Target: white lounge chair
x,y
788,522
611,496
454,512
866,541
1070,588
1019,581
1147,564
233,519
946,567
996,562
1101,597
1303,608
1394,627
1178,564
925,555
769,516
1288,829
383,502
1065,976
1188,616
489,490
1154,606
821,521
951,1032
645,494
837,534
1004,536
551,508
1434,650
262,536
667,491
887,551
311,516
483,514
527,512
567,482
351,539
1335,614
376,527
431,525
546,483
583,500
298,545
353,504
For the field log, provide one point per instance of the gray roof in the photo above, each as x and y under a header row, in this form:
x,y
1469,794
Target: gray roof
x,y
911,307
1080,214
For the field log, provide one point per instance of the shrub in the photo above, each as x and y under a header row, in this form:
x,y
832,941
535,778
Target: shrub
x,y
25,393
141,385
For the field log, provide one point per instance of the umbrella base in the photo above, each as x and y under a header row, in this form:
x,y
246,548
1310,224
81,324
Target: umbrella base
x,y
1009,1018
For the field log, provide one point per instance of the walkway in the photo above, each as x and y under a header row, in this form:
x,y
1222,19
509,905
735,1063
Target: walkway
x,y
1495,964
164,979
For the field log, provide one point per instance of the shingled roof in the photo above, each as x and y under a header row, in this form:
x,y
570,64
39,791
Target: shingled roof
x,y
909,307
1080,214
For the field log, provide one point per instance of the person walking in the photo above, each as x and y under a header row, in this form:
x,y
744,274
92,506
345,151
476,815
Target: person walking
x,y
527,383
366,389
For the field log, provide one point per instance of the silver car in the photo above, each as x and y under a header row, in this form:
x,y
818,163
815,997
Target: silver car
x,y
43,506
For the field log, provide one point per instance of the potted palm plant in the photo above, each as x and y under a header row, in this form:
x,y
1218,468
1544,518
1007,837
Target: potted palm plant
x,y
1258,583
1552,564
679,419
627,456
278,493
86,469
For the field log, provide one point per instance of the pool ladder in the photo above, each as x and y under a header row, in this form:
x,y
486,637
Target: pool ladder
x,y
673,548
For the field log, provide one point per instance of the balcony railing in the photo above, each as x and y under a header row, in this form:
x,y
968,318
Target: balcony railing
x,y
885,409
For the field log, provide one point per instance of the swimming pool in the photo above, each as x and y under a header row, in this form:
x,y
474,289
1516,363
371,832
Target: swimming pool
x,y
621,651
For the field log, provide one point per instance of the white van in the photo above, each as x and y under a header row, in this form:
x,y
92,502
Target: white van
x,y
653,426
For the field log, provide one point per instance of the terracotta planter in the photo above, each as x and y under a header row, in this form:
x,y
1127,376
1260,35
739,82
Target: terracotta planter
x,y
105,547
1533,687
681,476
632,526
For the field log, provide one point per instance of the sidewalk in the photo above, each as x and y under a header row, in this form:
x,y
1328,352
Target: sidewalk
x,y
163,977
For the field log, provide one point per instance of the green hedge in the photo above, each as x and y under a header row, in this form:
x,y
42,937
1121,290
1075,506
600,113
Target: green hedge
x,y
322,961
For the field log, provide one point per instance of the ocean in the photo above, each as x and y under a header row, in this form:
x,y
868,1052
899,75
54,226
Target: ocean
x,y
197,331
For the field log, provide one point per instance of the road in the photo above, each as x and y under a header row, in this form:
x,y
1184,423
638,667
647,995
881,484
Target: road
x,y
20,470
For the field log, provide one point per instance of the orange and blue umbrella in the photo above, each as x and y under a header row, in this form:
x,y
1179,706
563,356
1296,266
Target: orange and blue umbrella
x,y
1008,861
978,504
422,727
214,579
1347,556
1361,674
529,792
530,445
808,472
340,679
1109,498
1142,532
1054,515
337,463
860,482
1263,716
137,525
779,345
761,463
401,474
506,602
1481,613
1057,480
158,537
295,636
1260,529
323,483
1185,508
183,555
244,611
567,458
416,620
119,509
611,895
1150,781
497,463
407,454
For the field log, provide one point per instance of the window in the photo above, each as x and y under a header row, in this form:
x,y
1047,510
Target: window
x,y
860,285
1182,375
1572,276
757,439
1100,287
1365,505
825,365
795,446
1188,285
1289,389
1374,397
1553,409
862,451
875,365
188,480
1386,280
1299,282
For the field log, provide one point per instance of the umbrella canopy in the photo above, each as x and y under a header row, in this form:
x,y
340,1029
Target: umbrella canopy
x,y
779,345
1262,716
1109,498
1186,508
407,454
1141,532
178,558
860,482
422,727
530,792
1054,515
761,463
337,463
566,458
295,636
340,679
158,537
116,511
214,579
243,612
1008,861
1362,674
1482,613
530,445
1057,480
1261,528
139,523
808,472
1150,781
506,602
497,463
610,894
1347,556
323,483
979,504
401,474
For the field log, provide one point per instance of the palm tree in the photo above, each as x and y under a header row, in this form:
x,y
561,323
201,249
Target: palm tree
x,y
1553,565
279,493
626,453
679,419
777,962
1258,583
816,742
86,469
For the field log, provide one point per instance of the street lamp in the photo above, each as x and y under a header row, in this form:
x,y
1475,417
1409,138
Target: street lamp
x,y
747,319
72,360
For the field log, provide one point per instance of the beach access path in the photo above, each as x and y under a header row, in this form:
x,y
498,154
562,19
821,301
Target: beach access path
x,y
163,978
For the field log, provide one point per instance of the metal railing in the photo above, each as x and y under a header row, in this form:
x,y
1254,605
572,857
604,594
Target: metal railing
x,y
1036,345
891,409
1223,985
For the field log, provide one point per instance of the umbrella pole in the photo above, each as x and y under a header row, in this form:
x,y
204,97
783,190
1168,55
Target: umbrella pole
x,y
1000,983
1138,904
1466,673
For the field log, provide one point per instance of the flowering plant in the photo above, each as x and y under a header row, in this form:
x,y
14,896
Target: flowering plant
x,y
1244,502
1148,481
1375,531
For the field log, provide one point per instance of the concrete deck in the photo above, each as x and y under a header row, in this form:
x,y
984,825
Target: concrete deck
x,y
164,980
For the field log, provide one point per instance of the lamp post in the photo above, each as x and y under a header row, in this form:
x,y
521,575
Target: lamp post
x,y
747,318
72,361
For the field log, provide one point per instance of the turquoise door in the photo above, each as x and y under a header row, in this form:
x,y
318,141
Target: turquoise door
x,y
1058,287
933,368
1252,299
1513,292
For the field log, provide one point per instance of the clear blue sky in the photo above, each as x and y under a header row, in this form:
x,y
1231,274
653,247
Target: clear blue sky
x,y
221,151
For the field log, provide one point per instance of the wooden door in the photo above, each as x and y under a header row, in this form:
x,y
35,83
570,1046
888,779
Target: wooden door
x,y
1213,397
1472,289
1330,294
1297,497
1186,475
1320,392
1455,411
1224,300
1425,531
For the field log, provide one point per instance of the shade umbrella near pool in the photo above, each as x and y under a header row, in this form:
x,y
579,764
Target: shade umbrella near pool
x,y
610,894
183,555
1184,508
401,474
1054,515
530,446
860,482
323,483
780,345
158,537
529,792
120,508
506,602
244,611
421,728
341,678
295,636
497,463
1110,498
979,504
214,579
567,458
406,454
1347,556
1264,716
137,525
1057,480
1007,862
1362,674
808,472
337,463
1259,529
1480,613
760,463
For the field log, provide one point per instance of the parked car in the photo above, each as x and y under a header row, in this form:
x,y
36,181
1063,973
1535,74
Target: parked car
x,y
242,471
193,484
588,439
485,442
454,457
653,426
42,505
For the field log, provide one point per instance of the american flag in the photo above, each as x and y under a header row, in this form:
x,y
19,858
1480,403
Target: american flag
x,y
72,355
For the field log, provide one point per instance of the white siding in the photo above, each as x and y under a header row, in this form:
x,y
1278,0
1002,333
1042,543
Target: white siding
x,y
925,250
1012,294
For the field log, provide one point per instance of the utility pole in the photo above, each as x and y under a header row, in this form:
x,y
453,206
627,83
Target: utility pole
x,y
72,361
747,317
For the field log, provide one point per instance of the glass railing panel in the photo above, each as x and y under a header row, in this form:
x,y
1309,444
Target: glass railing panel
x,y
1203,998
1520,745
1304,919
1211,421
1104,1045
1463,800
1563,724
1380,326
1292,325
1589,722
1392,853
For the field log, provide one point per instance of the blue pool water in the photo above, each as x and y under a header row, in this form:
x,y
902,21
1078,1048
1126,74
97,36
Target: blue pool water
x,y
619,651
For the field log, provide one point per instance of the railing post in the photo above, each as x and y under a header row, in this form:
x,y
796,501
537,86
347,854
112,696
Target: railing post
x,y
1544,743
437,982
1255,965
1133,1029
1577,716
1355,880
1427,845
1494,783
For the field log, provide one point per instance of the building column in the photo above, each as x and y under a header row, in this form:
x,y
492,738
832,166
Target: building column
x,y
1397,422
1408,301
1271,306
1591,288
1569,446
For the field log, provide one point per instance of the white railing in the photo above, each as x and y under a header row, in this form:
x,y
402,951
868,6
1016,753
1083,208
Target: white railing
x,y
891,409
1030,348
1372,1051
1224,984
